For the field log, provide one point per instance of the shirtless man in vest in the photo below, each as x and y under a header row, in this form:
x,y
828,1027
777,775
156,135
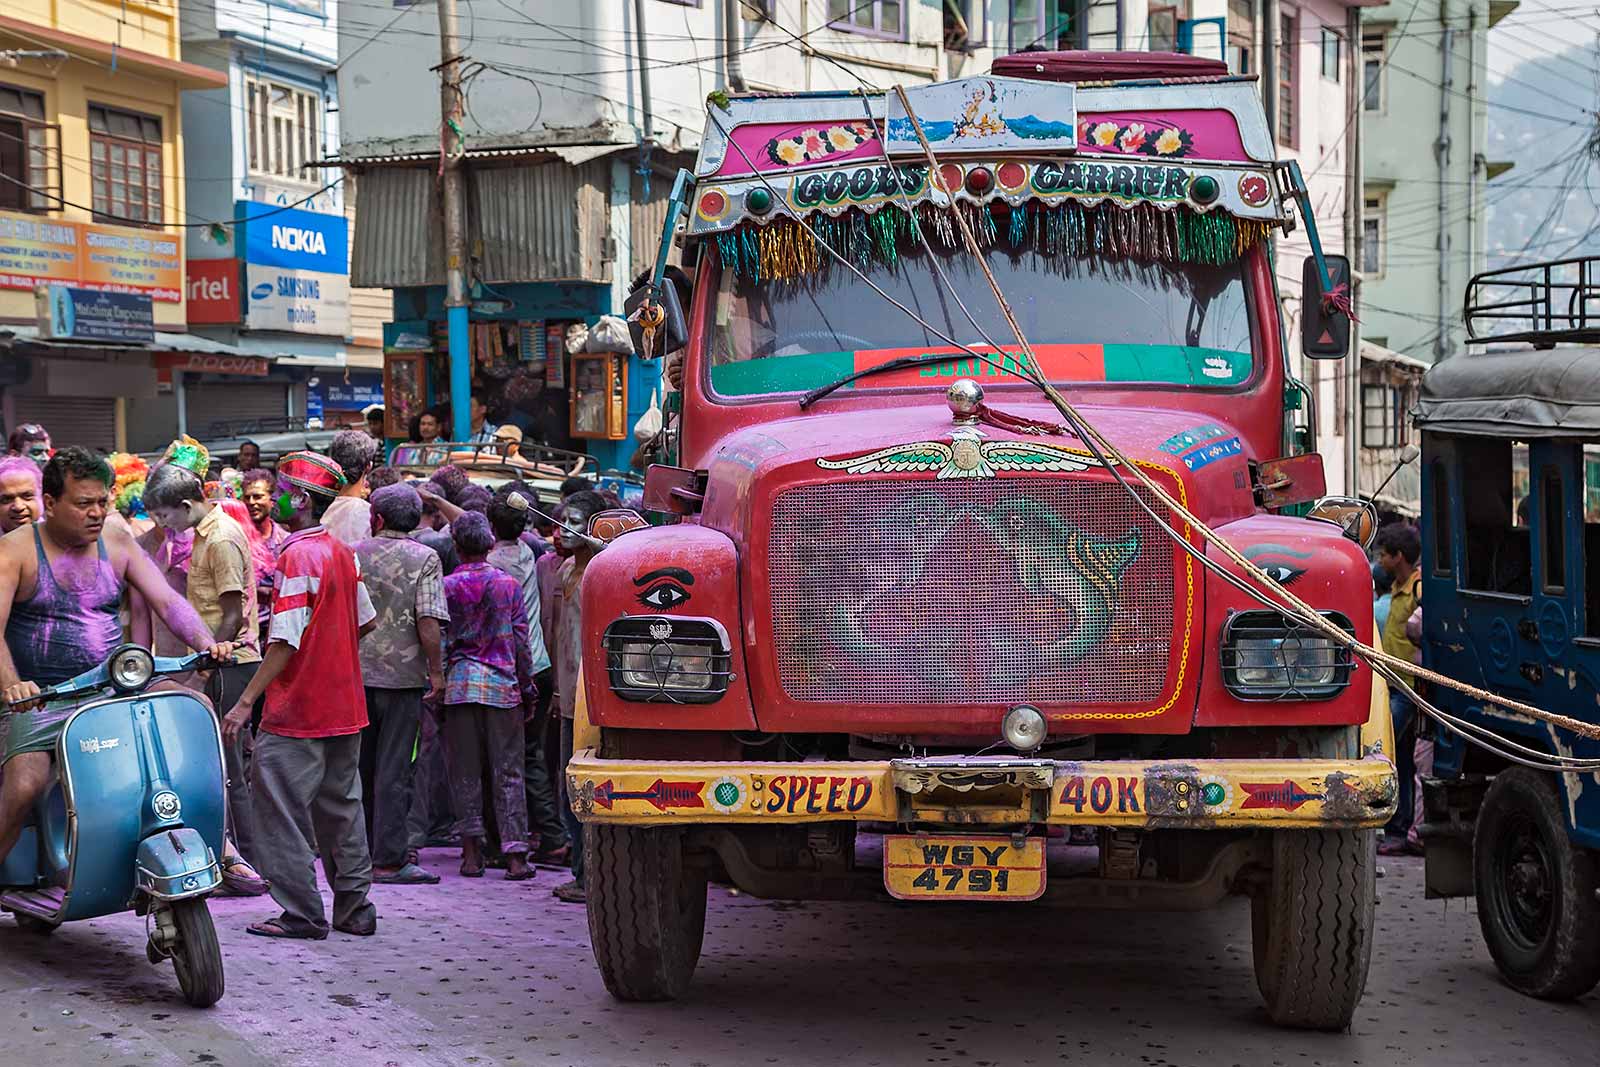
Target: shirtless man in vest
x,y
61,584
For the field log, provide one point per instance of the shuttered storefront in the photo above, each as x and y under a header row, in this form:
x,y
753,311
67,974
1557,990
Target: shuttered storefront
x,y
72,420
217,409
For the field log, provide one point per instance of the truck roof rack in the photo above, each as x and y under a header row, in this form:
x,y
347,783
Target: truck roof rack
x,y
1545,304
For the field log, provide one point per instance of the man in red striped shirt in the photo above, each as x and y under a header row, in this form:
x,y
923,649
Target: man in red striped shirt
x,y
305,775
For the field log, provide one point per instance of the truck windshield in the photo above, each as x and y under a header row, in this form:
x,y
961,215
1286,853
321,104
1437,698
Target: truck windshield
x,y
1089,319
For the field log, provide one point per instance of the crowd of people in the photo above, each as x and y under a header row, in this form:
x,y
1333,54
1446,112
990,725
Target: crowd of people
x,y
397,653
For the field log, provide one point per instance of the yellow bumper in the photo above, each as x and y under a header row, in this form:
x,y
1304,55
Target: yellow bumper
x,y
1207,794
1193,794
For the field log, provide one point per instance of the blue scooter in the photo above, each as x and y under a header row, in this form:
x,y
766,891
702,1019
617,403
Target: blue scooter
x,y
134,818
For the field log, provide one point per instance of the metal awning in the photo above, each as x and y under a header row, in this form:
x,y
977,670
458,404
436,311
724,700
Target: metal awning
x,y
27,337
572,155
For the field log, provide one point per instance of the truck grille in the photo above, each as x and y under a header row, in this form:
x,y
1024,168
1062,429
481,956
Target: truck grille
x,y
969,592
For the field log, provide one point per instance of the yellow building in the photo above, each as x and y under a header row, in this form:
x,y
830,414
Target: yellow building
x,y
91,198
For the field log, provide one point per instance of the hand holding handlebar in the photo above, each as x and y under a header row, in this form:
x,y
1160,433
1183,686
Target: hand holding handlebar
x,y
21,696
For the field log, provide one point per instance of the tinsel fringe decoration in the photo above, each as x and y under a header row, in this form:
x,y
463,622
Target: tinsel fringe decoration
x,y
782,249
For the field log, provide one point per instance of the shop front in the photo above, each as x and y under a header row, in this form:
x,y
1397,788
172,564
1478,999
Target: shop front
x,y
521,368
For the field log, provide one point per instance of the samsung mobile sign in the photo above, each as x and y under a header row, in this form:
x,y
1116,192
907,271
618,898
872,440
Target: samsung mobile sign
x,y
297,270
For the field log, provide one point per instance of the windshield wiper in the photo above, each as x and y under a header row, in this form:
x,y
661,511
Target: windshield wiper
x,y
894,364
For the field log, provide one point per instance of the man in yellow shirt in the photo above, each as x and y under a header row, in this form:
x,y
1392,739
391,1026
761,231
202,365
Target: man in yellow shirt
x,y
1399,550
222,589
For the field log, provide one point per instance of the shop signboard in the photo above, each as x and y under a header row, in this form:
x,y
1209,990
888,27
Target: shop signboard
x,y
71,314
119,259
342,396
297,270
211,363
213,290
296,301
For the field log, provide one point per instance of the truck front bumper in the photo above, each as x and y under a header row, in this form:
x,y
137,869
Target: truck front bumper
x,y
1154,794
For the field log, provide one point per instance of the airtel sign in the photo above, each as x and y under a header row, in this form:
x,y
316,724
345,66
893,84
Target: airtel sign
x,y
212,286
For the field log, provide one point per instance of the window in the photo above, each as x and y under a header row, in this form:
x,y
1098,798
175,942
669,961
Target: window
x,y
868,16
1288,79
1241,36
964,24
1496,513
1332,52
1383,416
1439,516
125,165
1591,539
1163,32
30,153
285,131
1553,517
1045,25
1372,226
1372,64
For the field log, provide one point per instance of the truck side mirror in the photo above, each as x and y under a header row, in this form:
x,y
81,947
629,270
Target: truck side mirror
x,y
1324,326
673,333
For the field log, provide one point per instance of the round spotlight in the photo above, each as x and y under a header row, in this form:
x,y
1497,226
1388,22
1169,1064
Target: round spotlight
x,y
1023,728
131,668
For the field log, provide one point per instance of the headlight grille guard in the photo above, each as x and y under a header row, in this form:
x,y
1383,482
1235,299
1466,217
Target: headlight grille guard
x,y
695,651
1258,641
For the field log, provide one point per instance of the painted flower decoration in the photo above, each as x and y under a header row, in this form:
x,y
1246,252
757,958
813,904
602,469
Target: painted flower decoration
x,y
814,144
787,152
847,138
1132,138
1105,134
1170,142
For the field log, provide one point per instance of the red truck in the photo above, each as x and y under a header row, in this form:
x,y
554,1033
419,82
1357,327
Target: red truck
x,y
908,634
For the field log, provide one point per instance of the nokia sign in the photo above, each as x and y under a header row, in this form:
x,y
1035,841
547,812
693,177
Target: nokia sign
x,y
294,239
297,270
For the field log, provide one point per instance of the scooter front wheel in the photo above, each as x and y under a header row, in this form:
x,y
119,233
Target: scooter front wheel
x,y
196,955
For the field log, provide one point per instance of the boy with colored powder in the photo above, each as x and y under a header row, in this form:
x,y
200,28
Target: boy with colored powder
x,y
20,490
306,780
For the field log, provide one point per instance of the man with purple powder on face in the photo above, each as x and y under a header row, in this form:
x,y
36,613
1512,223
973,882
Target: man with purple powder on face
x,y
61,586
20,490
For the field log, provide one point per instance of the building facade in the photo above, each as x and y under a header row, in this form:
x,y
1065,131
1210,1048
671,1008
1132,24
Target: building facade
x,y
1425,114
92,206
275,283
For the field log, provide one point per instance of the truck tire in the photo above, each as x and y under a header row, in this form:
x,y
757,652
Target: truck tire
x,y
1536,889
647,910
1312,926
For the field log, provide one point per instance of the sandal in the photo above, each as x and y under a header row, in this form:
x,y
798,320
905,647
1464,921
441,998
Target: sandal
x,y
275,928
472,872
239,879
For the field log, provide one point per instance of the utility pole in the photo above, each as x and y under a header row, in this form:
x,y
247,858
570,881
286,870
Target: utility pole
x,y
455,236
1354,205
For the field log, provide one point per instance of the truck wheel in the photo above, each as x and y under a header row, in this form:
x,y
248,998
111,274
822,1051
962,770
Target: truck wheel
x,y
647,911
1312,926
196,955
1536,890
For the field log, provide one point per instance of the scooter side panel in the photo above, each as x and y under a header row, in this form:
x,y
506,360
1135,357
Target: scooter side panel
x,y
116,757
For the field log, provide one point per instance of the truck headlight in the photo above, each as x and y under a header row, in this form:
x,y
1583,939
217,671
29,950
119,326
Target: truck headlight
x,y
661,659
1266,656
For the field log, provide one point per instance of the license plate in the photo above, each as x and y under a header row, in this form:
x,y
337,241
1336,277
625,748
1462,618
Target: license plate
x,y
937,867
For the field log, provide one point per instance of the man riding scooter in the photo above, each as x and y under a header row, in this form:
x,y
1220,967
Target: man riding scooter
x,y
61,585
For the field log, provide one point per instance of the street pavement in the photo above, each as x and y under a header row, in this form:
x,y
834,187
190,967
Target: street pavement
x,y
489,972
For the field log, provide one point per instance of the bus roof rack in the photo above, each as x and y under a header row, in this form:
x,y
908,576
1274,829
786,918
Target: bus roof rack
x,y
1545,304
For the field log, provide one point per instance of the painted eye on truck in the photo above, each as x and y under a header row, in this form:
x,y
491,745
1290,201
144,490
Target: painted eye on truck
x,y
664,595
1281,573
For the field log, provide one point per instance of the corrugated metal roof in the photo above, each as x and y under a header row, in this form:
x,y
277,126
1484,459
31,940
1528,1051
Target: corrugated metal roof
x,y
399,239
546,222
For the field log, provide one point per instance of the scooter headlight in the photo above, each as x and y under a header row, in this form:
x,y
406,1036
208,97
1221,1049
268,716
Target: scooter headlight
x,y
131,668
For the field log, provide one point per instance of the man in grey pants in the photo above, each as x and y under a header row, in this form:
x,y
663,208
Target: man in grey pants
x,y
400,657
306,780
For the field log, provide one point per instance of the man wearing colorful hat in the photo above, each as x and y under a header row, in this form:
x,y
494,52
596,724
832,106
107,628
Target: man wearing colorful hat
x,y
305,778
